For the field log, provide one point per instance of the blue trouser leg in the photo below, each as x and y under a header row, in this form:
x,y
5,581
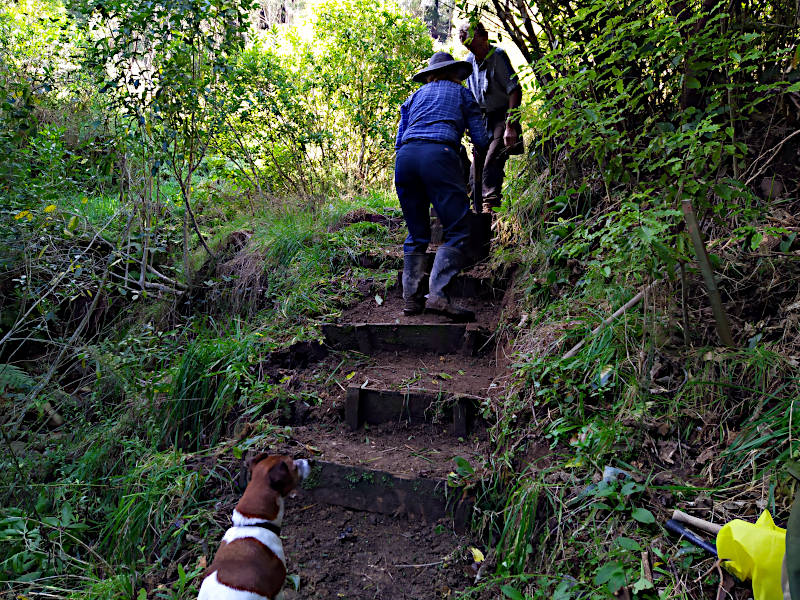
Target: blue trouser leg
x,y
430,173
414,201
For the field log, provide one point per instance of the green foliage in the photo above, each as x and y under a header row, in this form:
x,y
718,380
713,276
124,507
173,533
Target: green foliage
x,y
158,501
47,111
365,54
203,391
321,101
14,378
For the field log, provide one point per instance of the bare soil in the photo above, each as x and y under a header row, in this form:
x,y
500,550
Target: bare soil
x,y
390,310
340,553
441,372
415,451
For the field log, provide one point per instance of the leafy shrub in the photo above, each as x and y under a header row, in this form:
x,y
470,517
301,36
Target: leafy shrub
x,y
320,113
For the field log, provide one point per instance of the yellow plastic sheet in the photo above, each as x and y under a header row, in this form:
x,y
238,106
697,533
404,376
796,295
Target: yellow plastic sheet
x,y
755,551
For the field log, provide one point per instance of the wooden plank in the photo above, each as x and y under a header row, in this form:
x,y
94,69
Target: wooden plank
x,y
444,338
374,406
352,408
384,493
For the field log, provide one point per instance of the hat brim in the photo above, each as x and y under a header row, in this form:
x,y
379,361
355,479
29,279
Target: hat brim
x,y
461,68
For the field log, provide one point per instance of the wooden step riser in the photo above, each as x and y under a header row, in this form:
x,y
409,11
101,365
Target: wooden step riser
x,y
381,492
443,338
375,406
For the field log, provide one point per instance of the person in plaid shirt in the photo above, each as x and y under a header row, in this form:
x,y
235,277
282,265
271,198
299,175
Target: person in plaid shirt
x,y
428,171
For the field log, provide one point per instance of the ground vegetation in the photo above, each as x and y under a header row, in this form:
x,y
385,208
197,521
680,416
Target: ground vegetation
x,y
186,197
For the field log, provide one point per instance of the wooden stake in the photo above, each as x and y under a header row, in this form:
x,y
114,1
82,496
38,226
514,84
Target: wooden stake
x,y
721,318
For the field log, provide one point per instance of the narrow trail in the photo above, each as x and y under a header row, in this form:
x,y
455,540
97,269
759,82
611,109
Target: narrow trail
x,y
376,518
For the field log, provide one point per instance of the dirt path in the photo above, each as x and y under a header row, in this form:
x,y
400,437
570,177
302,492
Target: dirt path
x,y
378,520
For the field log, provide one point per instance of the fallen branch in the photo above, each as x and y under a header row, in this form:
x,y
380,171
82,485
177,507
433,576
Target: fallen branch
x,y
620,311
774,150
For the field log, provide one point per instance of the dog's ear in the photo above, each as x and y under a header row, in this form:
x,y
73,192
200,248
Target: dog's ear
x,y
280,479
253,461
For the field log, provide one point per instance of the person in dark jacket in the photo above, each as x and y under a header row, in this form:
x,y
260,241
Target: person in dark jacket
x,y
499,94
428,171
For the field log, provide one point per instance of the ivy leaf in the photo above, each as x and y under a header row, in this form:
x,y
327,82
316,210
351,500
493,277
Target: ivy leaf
x,y
643,516
463,467
612,575
692,83
641,585
510,592
628,544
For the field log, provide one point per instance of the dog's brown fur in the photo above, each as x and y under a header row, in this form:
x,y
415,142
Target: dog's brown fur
x,y
246,563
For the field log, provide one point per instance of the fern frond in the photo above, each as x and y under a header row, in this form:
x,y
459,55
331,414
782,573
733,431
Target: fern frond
x,y
14,378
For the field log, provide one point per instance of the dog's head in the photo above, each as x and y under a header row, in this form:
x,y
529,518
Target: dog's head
x,y
278,472
271,478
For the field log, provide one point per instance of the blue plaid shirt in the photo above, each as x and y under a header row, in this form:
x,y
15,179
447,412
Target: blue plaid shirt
x,y
440,111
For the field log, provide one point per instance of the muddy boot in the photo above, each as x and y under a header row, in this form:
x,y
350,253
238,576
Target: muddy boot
x,y
413,275
490,203
447,264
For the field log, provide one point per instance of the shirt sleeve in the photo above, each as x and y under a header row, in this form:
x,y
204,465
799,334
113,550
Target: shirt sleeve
x,y
401,128
474,119
504,72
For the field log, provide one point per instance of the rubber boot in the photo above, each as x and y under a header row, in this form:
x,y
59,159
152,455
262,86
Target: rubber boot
x,y
490,203
448,263
413,274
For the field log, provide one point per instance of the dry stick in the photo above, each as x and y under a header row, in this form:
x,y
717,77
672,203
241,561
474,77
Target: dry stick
x,y
420,566
621,310
721,318
685,304
74,335
774,150
57,280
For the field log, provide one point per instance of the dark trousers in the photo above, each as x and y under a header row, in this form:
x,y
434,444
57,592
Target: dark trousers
x,y
428,173
494,160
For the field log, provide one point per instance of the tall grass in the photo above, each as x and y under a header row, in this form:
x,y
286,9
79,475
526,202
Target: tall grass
x,y
204,390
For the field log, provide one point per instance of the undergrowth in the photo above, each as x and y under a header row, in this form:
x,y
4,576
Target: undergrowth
x,y
127,493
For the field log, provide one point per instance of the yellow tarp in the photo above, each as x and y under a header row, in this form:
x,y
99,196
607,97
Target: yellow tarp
x,y
755,551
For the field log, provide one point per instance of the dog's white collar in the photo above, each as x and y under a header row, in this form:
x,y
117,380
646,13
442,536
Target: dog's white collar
x,y
239,520
266,537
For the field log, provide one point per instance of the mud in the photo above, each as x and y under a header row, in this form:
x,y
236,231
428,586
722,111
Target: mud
x,y
339,553
389,309
414,451
440,372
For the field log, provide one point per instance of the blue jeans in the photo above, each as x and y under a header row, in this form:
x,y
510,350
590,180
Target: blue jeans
x,y
428,173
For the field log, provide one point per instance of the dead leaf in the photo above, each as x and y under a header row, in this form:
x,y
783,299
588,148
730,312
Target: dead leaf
x,y
666,449
707,455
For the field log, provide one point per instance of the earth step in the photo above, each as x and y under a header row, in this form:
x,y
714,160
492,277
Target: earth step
x,y
414,405
376,491
443,338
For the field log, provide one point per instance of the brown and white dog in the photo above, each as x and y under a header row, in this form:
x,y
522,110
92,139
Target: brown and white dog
x,y
250,564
